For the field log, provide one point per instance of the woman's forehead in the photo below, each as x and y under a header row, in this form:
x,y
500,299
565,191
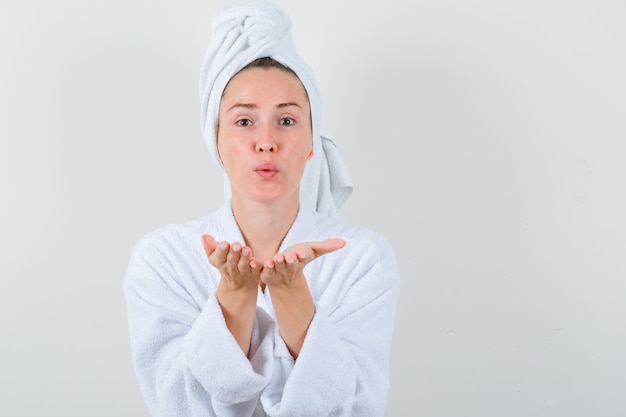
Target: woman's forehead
x,y
265,83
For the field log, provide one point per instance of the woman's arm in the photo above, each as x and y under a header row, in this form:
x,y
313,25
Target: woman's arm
x,y
343,366
187,361
238,287
291,299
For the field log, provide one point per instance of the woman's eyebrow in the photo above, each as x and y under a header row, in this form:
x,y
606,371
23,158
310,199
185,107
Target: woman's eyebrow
x,y
289,104
244,105
254,106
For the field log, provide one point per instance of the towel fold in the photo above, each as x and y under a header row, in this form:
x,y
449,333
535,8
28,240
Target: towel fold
x,y
259,29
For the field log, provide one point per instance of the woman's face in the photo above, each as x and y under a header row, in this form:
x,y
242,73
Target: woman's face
x,y
264,136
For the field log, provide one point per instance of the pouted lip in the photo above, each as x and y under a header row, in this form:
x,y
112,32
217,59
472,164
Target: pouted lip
x,y
266,167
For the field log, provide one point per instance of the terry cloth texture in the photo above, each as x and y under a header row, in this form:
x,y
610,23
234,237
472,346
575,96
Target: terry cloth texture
x,y
188,363
259,29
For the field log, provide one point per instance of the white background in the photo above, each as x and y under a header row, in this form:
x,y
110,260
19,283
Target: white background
x,y
486,139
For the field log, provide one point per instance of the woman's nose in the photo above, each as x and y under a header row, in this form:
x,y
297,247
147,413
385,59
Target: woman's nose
x,y
266,147
266,142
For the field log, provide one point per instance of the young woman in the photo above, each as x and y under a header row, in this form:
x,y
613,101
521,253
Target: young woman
x,y
269,306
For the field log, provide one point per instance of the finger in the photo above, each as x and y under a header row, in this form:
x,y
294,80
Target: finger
x,y
255,265
221,252
279,263
244,259
234,254
209,244
279,258
327,246
291,258
268,271
286,264
301,254
291,264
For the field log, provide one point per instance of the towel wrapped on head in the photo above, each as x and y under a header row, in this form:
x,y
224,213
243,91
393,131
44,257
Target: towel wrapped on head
x,y
257,29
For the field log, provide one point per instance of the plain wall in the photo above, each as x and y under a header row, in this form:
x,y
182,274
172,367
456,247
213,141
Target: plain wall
x,y
486,140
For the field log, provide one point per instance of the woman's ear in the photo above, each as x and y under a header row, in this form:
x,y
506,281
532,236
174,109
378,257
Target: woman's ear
x,y
217,135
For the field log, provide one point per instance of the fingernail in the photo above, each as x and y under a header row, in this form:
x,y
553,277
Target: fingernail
x,y
302,255
245,252
290,261
223,246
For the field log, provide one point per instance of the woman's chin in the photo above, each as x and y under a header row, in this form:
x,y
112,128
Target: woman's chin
x,y
270,196
267,194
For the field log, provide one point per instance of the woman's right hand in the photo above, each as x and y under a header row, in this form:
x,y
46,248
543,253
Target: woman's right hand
x,y
234,261
238,287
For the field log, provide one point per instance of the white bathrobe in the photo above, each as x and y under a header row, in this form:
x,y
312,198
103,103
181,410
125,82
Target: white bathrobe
x,y
189,364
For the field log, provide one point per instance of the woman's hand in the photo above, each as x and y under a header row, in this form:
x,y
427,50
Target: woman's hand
x,y
234,261
286,267
239,269
292,301
238,287
291,298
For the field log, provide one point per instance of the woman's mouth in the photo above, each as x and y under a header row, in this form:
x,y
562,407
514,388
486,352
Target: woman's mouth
x,y
266,171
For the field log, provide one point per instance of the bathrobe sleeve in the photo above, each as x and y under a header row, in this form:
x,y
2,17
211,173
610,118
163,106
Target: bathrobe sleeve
x,y
343,366
187,362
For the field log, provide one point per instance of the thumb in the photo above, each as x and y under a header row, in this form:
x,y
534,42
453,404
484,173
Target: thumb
x,y
327,246
209,244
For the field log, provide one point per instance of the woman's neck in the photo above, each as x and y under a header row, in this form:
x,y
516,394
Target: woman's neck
x,y
264,226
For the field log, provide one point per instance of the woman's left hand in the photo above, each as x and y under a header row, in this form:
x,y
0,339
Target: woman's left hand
x,y
285,268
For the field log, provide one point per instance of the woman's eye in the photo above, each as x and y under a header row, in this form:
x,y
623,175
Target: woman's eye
x,y
244,122
287,121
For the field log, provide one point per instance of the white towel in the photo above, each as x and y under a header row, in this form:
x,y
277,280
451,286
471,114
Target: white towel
x,y
259,29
